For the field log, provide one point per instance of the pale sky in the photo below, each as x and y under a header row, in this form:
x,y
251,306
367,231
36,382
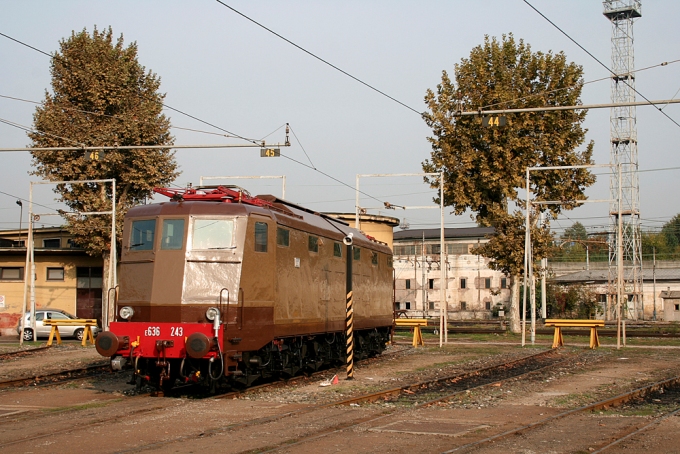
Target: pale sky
x,y
225,70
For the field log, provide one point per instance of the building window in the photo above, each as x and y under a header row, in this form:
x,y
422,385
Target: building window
x,y
431,305
408,305
313,243
337,250
173,234
12,273
357,253
487,282
282,237
463,282
374,258
504,282
55,274
487,305
52,243
433,249
430,284
142,235
602,298
408,284
463,305
397,305
261,237
677,307
458,248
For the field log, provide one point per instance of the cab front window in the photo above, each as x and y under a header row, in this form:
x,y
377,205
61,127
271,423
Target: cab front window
x,y
142,235
212,234
173,234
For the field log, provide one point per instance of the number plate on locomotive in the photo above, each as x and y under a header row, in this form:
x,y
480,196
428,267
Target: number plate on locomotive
x,y
155,331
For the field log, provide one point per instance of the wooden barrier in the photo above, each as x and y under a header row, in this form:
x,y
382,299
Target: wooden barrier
x,y
558,341
416,324
88,323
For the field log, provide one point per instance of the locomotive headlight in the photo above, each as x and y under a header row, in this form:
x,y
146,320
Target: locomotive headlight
x,y
211,313
126,312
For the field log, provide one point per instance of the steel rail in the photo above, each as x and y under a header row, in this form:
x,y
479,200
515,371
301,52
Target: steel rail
x,y
641,429
344,426
266,419
603,404
82,372
19,353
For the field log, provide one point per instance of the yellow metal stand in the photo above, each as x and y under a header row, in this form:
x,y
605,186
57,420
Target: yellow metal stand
x,y
54,331
88,323
558,340
416,324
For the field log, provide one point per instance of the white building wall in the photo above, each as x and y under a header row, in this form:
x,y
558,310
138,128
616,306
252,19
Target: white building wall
x,y
473,299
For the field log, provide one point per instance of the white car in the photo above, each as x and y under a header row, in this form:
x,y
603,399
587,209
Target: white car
x,y
44,331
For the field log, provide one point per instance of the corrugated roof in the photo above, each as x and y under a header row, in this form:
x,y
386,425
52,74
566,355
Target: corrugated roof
x,y
435,234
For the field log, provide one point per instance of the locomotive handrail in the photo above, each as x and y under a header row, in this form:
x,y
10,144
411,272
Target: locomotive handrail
x,y
240,302
115,302
226,316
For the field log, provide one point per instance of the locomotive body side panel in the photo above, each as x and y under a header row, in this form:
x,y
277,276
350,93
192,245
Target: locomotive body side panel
x,y
257,290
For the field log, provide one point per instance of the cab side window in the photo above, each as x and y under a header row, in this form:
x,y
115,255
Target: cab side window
x,y
260,237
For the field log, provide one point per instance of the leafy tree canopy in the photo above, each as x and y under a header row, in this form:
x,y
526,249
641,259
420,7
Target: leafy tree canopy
x,y
671,232
484,168
576,232
101,96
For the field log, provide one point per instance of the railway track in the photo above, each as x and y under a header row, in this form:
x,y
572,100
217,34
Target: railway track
x,y
56,377
22,353
461,383
671,383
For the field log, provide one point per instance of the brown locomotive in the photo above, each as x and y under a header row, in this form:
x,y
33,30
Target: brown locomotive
x,y
221,288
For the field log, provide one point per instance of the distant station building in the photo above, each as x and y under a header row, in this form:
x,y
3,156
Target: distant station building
x,y
65,276
660,289
473,291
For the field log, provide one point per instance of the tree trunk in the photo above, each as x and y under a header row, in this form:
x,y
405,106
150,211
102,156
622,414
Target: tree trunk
x,y
515,325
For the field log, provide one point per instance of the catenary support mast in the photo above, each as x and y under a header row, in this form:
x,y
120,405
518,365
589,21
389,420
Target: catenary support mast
x,y
624,153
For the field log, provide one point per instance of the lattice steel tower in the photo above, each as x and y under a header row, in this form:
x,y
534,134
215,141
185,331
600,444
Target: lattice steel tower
x,y
624,152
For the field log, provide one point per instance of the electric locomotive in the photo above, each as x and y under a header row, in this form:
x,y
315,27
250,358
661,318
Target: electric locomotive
x,y
221,288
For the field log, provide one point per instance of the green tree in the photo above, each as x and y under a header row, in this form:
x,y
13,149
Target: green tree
x,y
101,96
576,232
484,167
671,230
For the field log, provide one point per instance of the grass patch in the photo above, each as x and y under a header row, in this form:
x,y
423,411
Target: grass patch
x,y
81,407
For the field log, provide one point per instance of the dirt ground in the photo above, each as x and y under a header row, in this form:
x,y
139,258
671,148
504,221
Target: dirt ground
x,y
102,413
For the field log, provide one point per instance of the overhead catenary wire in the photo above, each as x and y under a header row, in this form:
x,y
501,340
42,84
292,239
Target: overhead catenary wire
x,y
598,61
318,58
127,119
56,56
217,127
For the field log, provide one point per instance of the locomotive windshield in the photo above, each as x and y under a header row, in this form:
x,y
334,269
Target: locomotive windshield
x,y
142,235
212,234
173,234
